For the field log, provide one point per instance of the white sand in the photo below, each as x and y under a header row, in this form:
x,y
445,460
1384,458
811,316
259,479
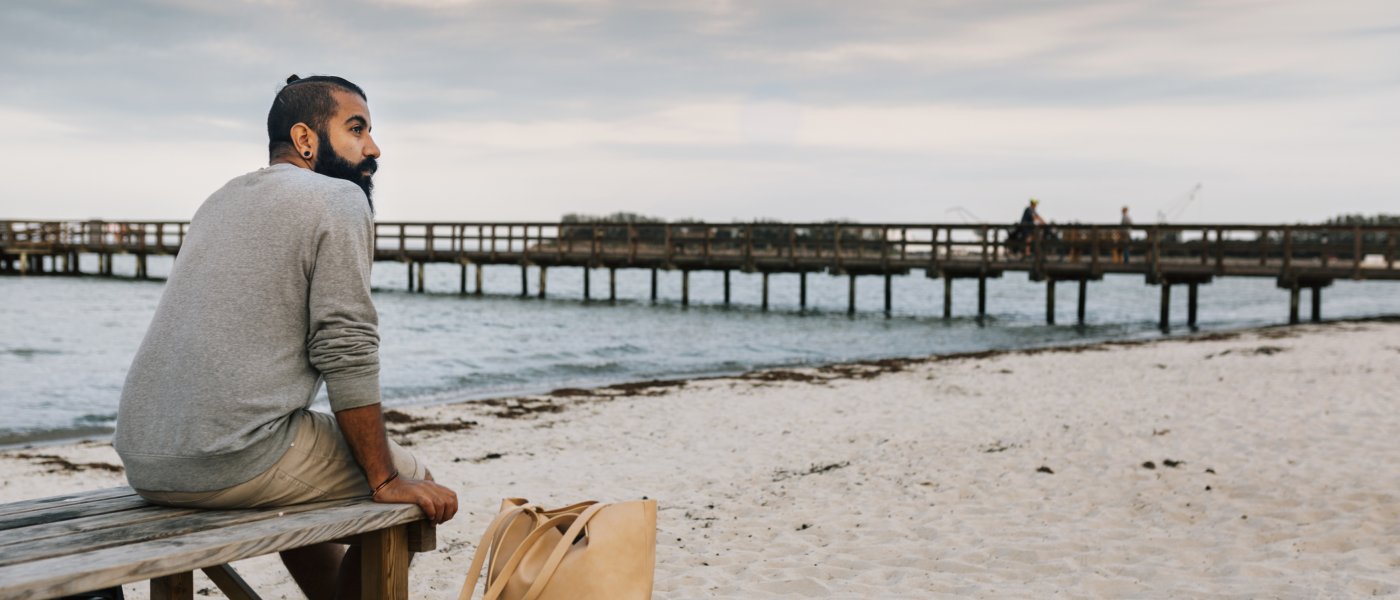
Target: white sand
x,y
938,494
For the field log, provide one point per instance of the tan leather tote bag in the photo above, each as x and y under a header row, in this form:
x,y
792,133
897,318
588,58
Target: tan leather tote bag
x,y
585,551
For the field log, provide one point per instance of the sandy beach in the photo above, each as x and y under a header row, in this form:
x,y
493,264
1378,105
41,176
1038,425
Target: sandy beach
x,y
1252,465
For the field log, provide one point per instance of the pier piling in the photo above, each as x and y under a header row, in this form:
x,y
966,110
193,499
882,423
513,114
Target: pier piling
x,y
851,297
544,278
587,284
653,286
1191,304
1317,304
1083,298
765,289
1164,323
947,297
479,277
981,297
421,267
1293,292
524,281
726,287
462,279
889,295
802,290
1049,301
612,284
685,287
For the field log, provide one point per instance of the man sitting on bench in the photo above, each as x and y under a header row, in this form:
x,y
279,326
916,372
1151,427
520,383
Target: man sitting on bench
x,y
270,297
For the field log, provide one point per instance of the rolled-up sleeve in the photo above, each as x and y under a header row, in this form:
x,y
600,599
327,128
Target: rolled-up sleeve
x,y
343,338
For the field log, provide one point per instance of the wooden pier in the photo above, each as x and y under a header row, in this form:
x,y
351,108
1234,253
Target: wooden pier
x,y
1297,257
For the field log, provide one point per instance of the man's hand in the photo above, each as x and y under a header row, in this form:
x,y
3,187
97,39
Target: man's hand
x,y
363,428
437,502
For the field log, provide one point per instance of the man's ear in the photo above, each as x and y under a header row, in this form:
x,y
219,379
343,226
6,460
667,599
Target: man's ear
x,y
305,140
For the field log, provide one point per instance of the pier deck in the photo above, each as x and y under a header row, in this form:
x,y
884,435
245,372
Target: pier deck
x,y
1296,256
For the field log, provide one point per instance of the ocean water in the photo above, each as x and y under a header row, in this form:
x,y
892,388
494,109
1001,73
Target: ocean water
x,y
66,342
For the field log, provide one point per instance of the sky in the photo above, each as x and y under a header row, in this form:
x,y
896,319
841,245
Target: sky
x,y
800,110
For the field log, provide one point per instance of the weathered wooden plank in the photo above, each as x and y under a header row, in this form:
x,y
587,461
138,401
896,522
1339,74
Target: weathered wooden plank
x,y
422,537
230,582
71,511
72,573
205,520
48,530
384,564
64,500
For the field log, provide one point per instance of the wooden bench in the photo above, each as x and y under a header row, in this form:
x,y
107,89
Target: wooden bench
x,y
74,543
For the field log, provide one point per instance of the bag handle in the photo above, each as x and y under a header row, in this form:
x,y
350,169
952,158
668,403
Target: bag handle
x,y
499,585
572,508
479,558
540,515
562,548
497,528
493,549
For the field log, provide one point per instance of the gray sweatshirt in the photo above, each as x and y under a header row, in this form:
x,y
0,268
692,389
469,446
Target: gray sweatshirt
x,y
270,295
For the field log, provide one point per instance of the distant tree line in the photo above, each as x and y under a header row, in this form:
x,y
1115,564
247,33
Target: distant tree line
x,y
1346,236
613,228
1359,219
1342,241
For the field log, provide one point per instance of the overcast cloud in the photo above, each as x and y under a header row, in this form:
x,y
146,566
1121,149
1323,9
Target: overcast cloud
x,y
800,109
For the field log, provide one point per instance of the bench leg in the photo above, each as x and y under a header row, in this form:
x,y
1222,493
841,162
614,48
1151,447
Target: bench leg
x,y
384,564
422,536
230,582
179,586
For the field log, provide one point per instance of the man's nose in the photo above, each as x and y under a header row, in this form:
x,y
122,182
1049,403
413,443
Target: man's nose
x,y
372,149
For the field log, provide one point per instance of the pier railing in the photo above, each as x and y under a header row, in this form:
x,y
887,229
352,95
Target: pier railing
x,y
1057,250
130,237
950,249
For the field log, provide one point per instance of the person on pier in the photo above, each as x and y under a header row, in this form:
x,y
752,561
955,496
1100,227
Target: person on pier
x,y
1125,233
1029,219
268,300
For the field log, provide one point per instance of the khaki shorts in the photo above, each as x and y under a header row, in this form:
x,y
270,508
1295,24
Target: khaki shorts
x,y
318,466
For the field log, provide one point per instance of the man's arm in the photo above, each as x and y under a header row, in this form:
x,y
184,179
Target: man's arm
x,y
363,428
344,347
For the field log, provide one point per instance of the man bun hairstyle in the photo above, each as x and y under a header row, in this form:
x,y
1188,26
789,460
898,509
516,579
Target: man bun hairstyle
x,y
303,100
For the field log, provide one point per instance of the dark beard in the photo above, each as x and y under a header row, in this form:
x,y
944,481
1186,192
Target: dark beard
x,y
330,164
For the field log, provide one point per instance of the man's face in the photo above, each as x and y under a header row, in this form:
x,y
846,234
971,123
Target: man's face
x,y
347,151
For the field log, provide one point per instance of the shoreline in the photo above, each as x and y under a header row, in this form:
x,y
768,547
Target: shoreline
x,y
1239,464
102,434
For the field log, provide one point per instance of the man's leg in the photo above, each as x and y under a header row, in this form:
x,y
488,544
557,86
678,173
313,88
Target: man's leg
x,y
321,458
349,581
314,567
